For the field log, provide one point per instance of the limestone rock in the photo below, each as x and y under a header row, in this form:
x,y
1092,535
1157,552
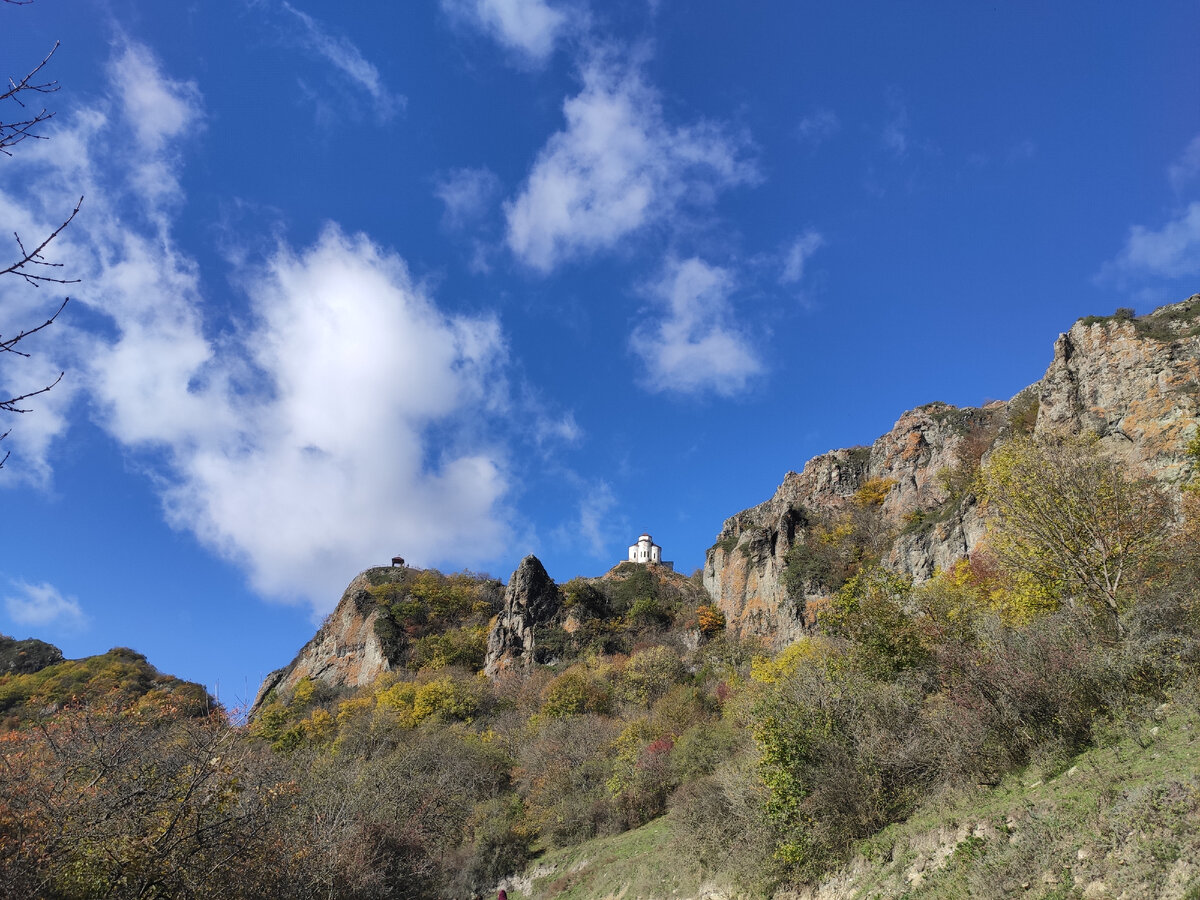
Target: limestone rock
x,y
345,651
1136,383
531,599
1133,382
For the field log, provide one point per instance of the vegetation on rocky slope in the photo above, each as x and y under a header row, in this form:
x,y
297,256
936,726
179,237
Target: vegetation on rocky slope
x,y
639,726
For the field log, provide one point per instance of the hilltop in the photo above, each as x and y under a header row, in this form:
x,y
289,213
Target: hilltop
x,y
396,618
36,682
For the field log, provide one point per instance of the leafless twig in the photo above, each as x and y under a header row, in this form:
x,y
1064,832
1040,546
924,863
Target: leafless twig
x,y
12,133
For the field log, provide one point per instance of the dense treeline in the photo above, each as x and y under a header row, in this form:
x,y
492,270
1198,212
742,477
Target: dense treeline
x,y
1078,614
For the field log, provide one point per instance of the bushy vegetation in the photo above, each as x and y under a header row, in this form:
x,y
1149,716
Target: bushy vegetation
x,y
831,548
120,674
1171,323
1059,629
435,781
428,620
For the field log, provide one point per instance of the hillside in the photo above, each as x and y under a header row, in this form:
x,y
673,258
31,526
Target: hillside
x,y
37,682
1118,820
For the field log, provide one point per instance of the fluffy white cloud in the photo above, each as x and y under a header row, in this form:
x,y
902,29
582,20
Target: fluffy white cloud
x,y
803,247
615,168
1173,250
693,348
531,28
347,59
330,460
42,605
158,109
336,425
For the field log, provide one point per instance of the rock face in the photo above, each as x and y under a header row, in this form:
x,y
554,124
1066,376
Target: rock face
x,y
1133,382
531,599
27,656
1136,383
345,651
744,570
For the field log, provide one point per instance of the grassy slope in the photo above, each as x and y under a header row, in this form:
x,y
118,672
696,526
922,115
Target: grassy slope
x,y
638,863
1119,820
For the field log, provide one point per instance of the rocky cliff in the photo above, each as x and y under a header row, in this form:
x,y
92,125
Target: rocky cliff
x,y
530,599
346,650
1134,382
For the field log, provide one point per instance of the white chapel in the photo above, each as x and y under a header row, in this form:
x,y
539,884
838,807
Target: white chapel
x,y
646,551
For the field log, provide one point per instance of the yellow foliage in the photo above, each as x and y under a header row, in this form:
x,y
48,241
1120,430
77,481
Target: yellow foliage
x,y
349,710
807,650
1023,599
841,531
410,703
711,620
303,693
873,491
954,597
399,696
1073,522
319,726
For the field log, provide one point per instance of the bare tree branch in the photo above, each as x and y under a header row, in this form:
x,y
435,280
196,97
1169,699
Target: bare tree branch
x,y
31,264
12,133
34,257
6,346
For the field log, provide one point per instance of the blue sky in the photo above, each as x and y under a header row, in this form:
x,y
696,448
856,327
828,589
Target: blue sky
x,y
470,279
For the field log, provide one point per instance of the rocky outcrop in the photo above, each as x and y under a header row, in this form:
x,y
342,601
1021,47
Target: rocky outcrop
x,y
912,467
346,650
1135,382
27,656
531,599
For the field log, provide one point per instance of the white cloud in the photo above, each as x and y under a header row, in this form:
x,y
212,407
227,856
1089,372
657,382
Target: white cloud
x,y
314,448
1186,169
344,56
595,509
336,426
42,605
467,195
561,430
530,28
818,127
616,168
157,108
693,348
1170,251
803,247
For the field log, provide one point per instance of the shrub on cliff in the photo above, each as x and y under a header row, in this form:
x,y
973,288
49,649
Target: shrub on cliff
x,y
1075,523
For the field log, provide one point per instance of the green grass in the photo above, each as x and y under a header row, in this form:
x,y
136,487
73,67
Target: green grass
x,y
640,863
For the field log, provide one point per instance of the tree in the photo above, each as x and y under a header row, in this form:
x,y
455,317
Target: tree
x,y
1072,519
30,265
